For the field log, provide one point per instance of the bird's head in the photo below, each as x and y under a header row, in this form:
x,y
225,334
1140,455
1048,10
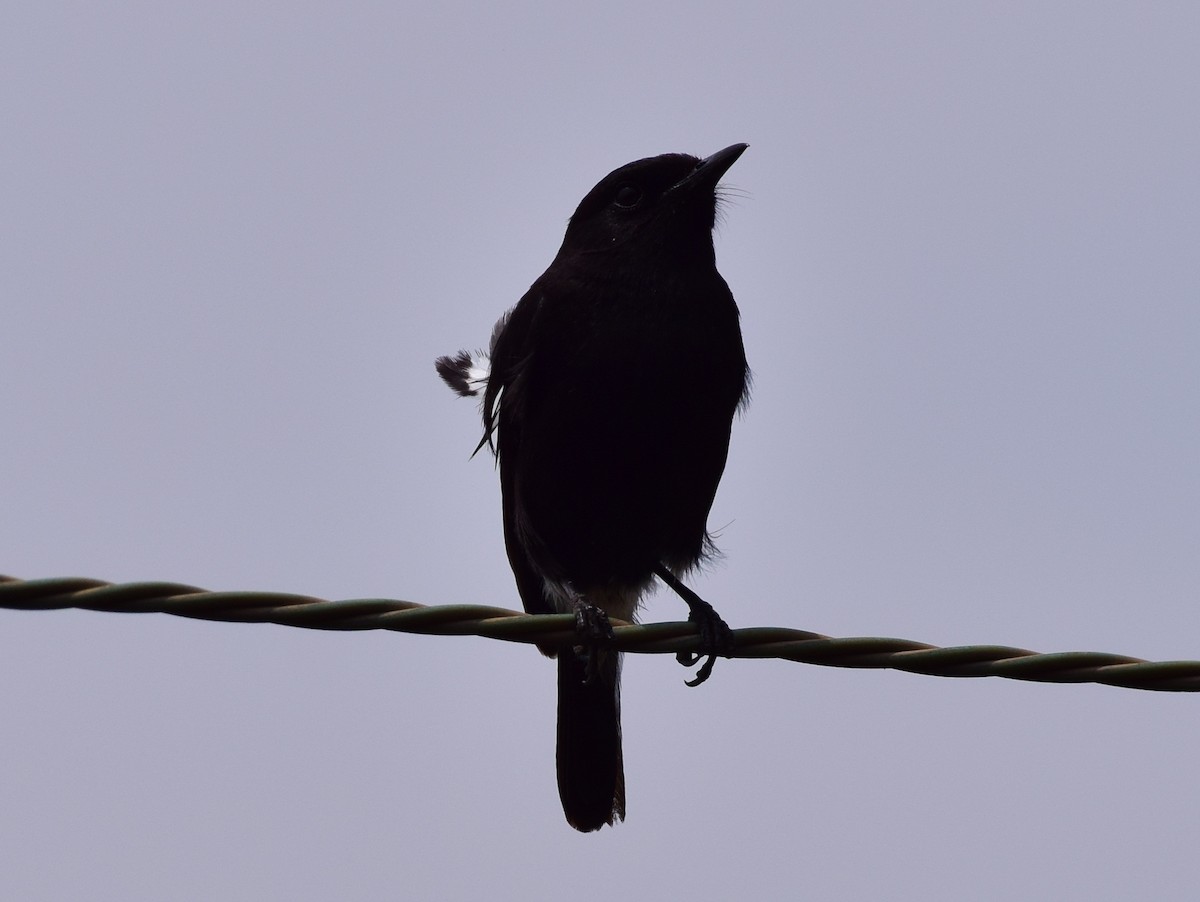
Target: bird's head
x,y
668,201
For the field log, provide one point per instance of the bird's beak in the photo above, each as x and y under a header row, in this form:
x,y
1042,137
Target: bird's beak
x,y
709,171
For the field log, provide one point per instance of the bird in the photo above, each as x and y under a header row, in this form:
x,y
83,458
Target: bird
x,y
608,396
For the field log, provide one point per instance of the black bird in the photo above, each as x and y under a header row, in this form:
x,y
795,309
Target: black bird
x,y
608,400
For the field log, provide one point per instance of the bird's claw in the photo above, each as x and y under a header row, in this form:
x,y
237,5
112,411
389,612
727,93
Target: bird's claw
x,y
689,660
716,638
594,633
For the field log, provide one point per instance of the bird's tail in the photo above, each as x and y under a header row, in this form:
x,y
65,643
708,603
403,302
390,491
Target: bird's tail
x,y
591,775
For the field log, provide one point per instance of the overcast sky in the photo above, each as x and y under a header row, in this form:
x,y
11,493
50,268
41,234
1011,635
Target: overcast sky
x,y
965,245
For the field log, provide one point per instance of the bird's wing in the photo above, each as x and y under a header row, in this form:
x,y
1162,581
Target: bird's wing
x,y
509,352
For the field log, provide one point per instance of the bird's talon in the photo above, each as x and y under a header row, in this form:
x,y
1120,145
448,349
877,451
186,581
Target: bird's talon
x,y
594,632
704,673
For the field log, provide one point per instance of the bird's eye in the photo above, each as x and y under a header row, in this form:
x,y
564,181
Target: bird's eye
x,y
628,196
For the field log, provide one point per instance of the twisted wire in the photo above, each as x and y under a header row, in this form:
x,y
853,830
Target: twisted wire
x,y
559,629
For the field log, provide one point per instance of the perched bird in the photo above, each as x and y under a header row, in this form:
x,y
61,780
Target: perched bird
x,y
609,392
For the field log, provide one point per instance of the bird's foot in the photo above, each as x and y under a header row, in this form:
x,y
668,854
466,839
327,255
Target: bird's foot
x,y
595,633
716,638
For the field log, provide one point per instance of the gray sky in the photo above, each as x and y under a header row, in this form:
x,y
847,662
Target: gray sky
x,y
232,241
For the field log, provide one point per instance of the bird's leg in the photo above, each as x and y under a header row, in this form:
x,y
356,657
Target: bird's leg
x,y
593,631
715,634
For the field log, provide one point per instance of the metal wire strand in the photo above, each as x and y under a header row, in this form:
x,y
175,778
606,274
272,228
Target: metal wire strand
x,y
655,638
